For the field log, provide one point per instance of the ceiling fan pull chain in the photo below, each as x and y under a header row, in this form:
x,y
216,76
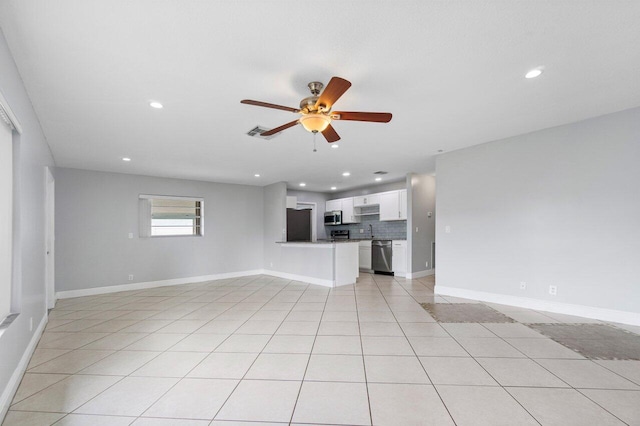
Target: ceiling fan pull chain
x,y
314,141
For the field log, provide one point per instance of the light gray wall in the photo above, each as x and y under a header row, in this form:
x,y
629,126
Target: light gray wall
x,y
554,207
274,223
31,155
372,189
320,199
421,200
95,211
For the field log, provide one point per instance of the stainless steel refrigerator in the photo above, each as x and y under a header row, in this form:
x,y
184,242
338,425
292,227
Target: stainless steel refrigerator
x,y
298,225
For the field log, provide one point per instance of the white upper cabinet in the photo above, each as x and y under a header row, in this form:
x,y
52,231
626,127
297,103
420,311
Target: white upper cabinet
x,y
333,205
403,204
366,200
393,206
390,206
345,205
348,213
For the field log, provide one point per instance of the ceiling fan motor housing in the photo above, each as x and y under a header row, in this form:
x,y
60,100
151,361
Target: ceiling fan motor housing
x,y
308,105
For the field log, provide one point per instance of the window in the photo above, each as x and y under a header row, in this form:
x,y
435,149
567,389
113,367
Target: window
x,y
170,216
6,217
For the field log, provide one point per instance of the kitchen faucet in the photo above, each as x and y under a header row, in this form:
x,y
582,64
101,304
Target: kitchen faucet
x,y
371,230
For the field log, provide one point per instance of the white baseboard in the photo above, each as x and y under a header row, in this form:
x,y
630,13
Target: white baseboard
x,y
420,274
16,377
303,278
153,284
612,315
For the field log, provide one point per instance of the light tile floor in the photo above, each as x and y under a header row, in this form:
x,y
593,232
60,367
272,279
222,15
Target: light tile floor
x,y
261,350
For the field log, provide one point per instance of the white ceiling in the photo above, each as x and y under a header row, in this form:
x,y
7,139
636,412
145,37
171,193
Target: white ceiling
x,y
451,72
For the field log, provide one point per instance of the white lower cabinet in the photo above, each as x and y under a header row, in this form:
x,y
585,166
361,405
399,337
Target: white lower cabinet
x,y
399,256
364,255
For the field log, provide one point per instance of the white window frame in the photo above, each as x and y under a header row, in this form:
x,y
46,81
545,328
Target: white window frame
x,y
145,214
9,309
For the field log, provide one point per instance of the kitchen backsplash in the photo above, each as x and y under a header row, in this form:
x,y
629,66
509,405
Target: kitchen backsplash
x,y
392,230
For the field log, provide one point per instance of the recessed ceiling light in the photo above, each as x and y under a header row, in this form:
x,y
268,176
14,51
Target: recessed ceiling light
x,y
533,73
335,146
378,179
333,188
346,174
303,184
156,105
126,159
257,175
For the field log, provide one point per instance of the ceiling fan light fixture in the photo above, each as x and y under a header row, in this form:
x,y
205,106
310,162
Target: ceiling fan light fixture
x,y
315,122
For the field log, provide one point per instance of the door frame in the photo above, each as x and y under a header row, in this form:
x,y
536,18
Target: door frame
x,y
50,238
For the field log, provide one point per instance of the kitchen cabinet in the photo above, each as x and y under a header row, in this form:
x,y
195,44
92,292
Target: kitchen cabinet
x,y
292,202
345,205
393,205
403,204
390,206
348,213
366,200
333,205
364,255
399,256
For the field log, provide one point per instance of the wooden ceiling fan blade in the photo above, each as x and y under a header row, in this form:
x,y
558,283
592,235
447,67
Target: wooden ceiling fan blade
x,y
336,88
268,105
376,117
279,129
330,134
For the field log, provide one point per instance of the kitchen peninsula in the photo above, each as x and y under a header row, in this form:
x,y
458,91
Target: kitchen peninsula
x,y
326,263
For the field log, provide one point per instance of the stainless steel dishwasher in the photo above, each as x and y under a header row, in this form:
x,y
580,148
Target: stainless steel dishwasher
x,y
381,256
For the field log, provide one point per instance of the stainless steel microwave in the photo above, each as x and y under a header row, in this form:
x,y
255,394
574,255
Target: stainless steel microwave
x,y
333,218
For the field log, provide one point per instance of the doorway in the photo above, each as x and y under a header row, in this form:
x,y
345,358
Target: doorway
x,y
50,210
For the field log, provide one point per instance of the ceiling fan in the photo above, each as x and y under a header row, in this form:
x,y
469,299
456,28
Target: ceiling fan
x,y
315,110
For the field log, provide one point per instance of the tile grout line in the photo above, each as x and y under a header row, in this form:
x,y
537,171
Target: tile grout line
x,y
306,368
261,351
124,377
129,375
364,365
414,351
192,293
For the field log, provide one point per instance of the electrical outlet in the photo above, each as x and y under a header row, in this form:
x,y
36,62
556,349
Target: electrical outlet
x,y
130,277
429,214
416,229
553,290
361,231
31,324
426,264
447,229
131,235
523,285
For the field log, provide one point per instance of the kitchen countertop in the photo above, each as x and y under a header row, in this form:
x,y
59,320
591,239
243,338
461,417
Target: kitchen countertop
x,y
350,240
377,239
316,242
